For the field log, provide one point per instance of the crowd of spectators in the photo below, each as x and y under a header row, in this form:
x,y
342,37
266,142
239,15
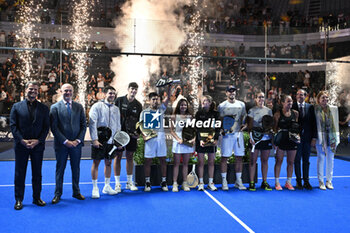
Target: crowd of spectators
x,y
223,16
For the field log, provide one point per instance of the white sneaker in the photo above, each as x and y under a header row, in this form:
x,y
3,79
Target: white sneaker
x,y
107,189
211,187
175,188
118,188
147,187
322,187
329,185
240,186
185,187
164,186
131,186
200,187
95,193
224,185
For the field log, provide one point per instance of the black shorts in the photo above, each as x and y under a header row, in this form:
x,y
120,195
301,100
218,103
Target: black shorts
x,y
286,143
132,145
206,149
102,152
264,145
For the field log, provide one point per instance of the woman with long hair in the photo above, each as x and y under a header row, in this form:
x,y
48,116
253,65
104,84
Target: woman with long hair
x,y
206,112
254,119
326,140
180,116
285,121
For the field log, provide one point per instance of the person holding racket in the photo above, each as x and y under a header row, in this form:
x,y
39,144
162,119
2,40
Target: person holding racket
x,y
284,121
179,149
206,112
233,140
264,145
103,114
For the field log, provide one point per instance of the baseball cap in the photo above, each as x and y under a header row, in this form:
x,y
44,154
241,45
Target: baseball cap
x,y
231,88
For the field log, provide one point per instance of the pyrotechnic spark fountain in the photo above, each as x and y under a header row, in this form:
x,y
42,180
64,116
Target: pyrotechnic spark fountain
x,y
28,30
80,34
195,37
337,78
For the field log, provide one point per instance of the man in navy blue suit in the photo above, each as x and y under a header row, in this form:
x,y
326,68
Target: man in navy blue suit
x,y
308,134
68,125
29,121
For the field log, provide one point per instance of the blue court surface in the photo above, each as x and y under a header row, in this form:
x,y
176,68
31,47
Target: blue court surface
x,y
195,211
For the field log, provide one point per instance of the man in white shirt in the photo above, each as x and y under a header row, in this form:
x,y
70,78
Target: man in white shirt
x,y
233,140
41,64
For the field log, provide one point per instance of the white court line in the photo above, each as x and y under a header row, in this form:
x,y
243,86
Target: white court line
x,y
48,184
229,212
123,182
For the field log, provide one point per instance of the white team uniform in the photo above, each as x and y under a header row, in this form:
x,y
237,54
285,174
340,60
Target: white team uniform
x,y
233,142
180,148
156,147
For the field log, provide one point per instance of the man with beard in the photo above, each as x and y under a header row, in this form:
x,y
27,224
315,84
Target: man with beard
x,y
130,110
29,121
68,125
104,117
233,140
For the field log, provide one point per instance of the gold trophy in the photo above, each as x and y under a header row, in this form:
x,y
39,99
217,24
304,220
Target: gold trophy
x,y
147,133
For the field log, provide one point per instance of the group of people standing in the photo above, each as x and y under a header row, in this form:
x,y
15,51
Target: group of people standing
x,y
30,122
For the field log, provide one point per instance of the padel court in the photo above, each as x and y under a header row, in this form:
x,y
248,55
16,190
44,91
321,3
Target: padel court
x,y
194,211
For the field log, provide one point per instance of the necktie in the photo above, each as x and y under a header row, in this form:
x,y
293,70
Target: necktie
x,y
301,111
69,109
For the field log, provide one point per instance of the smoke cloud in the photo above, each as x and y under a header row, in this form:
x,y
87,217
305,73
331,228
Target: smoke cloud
x,y
147,26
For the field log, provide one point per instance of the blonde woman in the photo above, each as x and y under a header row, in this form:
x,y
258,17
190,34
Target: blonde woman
x,y
326,140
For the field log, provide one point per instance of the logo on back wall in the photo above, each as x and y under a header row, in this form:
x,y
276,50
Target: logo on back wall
x,y
152,120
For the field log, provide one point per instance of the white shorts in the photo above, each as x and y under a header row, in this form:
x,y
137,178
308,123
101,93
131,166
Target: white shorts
x,y
156,147
182,149
232,143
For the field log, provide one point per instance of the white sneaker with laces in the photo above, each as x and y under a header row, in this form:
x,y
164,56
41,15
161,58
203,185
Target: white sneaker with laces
x,y
131,186
107,189
240,186
212,187
329,185
200,187
118,188
164,186
321,186
175,188
185,187
95,193
224,185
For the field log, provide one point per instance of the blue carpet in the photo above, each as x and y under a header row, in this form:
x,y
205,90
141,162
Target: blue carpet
x,y
262,211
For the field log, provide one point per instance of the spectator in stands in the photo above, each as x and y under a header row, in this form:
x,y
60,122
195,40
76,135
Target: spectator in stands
x,y
241,49
2,40
100,80
52,76
41,65
218,73
100,94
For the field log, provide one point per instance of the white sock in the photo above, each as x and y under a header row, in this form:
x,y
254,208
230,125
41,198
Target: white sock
x,y
94,183
129,178
163,179
289,180
223,175
277,180
148,179
201,180
117,179
238,177
107,181
210,180
174,182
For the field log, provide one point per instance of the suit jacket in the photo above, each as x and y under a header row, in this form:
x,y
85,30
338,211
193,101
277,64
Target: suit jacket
x,y
308,126
23,127
64,127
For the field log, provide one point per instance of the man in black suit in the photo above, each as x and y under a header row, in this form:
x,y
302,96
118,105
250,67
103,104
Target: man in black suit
x,y
308,134
68,125
29,121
